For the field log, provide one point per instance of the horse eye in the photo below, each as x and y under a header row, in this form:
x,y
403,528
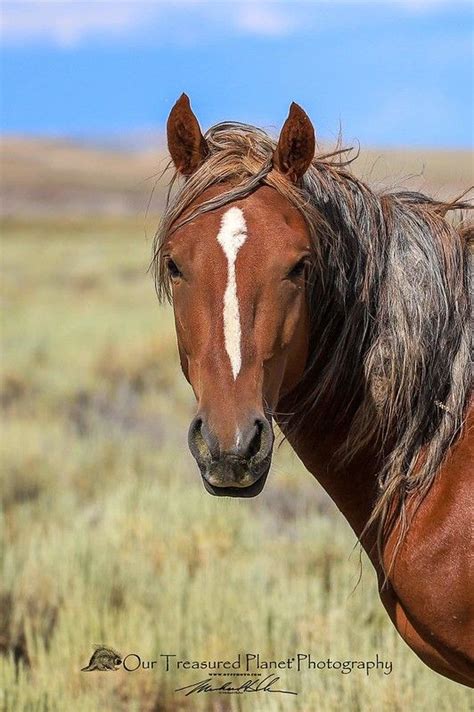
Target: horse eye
x,y
173,269
298,269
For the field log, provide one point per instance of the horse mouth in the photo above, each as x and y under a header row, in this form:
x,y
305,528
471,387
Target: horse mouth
x,y
251,490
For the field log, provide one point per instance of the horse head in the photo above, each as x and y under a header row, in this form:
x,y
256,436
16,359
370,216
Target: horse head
x,y
237,271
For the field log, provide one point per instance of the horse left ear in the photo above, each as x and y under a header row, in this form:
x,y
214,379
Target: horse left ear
x,y
296,144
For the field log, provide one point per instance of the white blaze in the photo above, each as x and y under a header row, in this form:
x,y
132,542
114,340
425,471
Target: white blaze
x,y
231,237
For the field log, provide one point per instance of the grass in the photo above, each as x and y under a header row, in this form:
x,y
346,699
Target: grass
x,y
107,535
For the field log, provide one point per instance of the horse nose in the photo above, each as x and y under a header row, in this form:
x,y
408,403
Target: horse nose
x,y
254,439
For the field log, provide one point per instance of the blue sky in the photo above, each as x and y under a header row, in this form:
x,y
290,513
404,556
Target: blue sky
x,y
391,73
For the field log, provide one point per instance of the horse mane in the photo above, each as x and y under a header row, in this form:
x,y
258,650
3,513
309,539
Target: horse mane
x,y
388,303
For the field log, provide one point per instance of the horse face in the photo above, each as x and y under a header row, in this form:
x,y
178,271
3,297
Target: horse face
x,y
238,284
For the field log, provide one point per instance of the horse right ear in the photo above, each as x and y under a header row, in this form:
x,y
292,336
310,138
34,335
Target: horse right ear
x,y
186,144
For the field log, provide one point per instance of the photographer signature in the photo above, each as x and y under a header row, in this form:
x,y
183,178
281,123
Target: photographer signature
x,y
265,685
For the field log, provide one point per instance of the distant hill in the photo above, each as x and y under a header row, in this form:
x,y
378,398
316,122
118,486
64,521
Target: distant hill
x,y
45,177
48,176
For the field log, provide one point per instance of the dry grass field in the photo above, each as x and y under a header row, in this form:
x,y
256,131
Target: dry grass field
x,y
107,536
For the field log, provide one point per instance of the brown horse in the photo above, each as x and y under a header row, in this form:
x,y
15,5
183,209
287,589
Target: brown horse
x,y
302,295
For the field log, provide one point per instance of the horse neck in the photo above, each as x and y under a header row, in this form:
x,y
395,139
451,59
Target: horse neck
x,y
353,486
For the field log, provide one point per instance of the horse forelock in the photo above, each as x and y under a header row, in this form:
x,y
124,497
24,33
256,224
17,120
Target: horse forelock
x,y
388,291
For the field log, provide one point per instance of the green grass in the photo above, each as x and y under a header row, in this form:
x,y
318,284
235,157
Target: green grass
x,y
107,535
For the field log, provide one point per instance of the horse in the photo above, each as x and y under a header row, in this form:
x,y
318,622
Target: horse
x,y
303,297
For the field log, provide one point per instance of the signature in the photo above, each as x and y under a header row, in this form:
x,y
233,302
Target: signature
x,y
265,685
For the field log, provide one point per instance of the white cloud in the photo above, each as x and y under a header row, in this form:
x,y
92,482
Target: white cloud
x,y
265,18
67,23
70,22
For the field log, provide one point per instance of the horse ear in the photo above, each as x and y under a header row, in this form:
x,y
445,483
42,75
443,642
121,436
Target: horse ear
x,y
186,144
296,144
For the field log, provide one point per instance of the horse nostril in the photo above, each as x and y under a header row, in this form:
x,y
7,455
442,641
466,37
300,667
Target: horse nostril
x,y
255,440
202,442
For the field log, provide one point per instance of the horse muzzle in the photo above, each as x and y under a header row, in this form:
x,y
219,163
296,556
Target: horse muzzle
x,y
238,471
